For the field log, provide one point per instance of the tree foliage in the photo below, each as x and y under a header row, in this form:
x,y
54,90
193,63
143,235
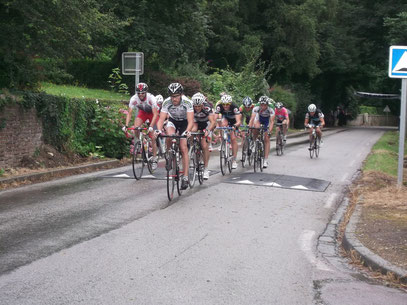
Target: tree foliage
x,y
325,46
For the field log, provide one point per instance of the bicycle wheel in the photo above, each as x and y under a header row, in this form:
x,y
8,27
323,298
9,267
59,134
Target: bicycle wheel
x,y
317,144
200,166
171,167
229,155
256,157
250,152
311,148
223,157
193,162
137,160
261,156
178,171
278,144
148,156
245,148
282,143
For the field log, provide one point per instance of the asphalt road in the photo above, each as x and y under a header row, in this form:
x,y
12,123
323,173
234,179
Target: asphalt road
x,y
100,239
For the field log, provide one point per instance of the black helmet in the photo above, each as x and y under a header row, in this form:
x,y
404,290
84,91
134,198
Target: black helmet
x,y
175,88
141,87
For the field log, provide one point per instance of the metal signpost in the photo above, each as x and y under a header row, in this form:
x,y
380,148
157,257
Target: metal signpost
x,y
398,69
133,64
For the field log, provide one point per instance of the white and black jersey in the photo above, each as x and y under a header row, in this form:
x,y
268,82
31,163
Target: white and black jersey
x,y
179,112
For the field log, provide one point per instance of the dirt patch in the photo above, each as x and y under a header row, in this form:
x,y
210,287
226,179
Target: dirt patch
x,y
382,226
56,165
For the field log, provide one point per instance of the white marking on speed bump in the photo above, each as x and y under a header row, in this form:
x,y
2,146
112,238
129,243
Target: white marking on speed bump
x,y
122,176
299,187
149,176
245,182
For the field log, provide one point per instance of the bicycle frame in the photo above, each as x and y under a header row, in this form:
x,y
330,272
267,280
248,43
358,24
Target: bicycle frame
x,y
173,161
226,155
196,159
258,160
279,140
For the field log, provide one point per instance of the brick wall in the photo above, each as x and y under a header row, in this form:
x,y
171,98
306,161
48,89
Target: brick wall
x,y
21,135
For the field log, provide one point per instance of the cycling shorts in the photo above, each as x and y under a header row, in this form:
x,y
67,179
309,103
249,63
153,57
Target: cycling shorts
x,y
202,125
264,121
179,126
145,115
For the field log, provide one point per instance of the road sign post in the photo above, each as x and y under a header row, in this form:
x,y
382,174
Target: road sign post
x,y
398,69
133,64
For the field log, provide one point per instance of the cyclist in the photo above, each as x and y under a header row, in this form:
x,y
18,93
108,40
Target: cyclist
x,y
231,116
282,117
262,115
314,118
204,120
180,114
159,100
145,105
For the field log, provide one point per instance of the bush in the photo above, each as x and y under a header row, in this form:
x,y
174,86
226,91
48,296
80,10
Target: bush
x,y
91,73
80,126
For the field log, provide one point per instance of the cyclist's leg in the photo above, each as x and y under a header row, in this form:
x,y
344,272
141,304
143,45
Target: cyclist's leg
x,y
285,128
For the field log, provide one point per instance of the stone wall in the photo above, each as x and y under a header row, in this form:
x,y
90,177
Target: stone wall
x,y
20,135
374,120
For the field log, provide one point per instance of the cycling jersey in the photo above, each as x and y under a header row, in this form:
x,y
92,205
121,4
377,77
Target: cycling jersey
x,y
228,114
316,118
281,114
203,115
146,105
246,112
265,113
179,112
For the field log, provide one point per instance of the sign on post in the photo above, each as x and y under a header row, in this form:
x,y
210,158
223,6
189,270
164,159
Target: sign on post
x,y
133,64
398,69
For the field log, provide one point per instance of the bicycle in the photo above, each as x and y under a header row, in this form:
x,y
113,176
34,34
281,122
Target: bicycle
x,y
196,159
172,165
247,148
280,143
142,153
314,144
226,154
258,158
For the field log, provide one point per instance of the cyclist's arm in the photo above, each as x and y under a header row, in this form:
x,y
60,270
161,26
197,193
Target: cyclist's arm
x,y
190,118
272,117
306,122
212,121
322,121
238,120
163,117
251,122
155,117
128,117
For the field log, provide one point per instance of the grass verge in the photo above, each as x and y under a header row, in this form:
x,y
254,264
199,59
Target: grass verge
x,y
82,92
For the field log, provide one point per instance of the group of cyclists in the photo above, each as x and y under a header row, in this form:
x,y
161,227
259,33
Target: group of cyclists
x,y
181,115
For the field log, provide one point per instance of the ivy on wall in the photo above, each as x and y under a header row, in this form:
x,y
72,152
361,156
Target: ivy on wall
x,y
76,126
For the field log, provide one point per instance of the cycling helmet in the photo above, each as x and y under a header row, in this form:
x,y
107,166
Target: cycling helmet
x,y
279,105
247,101
312,108
198,99
271,101
264,99
226,99
141,88
175,88
159,99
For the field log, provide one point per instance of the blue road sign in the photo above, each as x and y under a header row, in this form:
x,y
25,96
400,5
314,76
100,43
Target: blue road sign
x,y
398,62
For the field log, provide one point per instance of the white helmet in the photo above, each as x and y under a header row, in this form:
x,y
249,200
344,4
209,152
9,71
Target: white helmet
x,y
159,99
198,99
226,99
312,108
